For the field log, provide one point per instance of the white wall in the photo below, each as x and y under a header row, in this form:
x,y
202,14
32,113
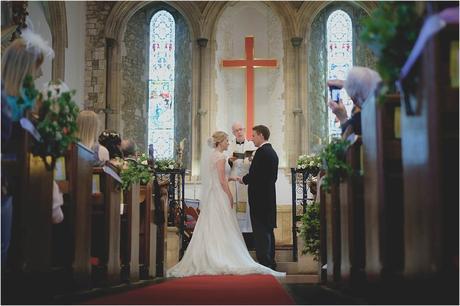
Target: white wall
x,y
75,52
241,19
41,27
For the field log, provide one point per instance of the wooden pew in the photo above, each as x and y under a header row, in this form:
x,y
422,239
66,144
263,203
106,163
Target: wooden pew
x,y
29,254
160,228
430,138
106,224
333,248
352,219
383,190
147,249
75,233
131,211
322,235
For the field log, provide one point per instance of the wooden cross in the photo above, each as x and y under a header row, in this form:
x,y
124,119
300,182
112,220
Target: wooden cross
x,y
249,63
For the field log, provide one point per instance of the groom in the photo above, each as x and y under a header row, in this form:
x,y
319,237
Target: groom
x,y
262,195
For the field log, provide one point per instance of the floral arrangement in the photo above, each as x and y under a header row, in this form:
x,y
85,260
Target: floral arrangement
x,y
333,157
309,230
311,163
57,122
134,170
165,164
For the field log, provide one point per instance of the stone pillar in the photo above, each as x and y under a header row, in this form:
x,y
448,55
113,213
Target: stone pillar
x,y
297,110
112,97
201,112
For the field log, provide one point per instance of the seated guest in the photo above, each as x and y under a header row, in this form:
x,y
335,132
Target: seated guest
x,y
360,83
112,141
88,127
128,147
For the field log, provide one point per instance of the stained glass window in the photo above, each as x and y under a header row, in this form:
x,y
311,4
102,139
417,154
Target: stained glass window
x,y
161,84
339,59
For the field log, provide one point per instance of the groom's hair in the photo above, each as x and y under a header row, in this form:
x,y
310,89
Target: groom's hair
x,y
262,129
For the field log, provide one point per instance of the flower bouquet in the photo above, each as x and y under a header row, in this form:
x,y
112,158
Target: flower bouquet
x,y
310,163
57,122
165,164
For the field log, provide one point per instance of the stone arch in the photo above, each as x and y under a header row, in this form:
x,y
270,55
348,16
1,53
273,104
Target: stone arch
x,y
58,26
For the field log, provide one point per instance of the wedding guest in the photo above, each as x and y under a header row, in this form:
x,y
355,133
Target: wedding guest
x,y
88,128
112,141
360,83
128,147
22,58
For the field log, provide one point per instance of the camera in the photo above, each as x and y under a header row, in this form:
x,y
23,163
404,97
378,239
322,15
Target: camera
x,y
335,93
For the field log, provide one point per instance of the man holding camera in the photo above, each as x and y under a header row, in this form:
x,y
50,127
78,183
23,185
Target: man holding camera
x,y
360,83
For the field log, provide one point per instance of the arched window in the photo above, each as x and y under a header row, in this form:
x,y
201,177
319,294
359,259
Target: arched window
x,y
339,45
161,84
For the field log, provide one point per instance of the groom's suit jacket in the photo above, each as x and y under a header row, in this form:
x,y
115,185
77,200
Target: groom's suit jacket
x,y
261,181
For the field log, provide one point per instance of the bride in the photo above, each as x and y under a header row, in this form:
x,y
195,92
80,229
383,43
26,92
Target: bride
x,y
217,245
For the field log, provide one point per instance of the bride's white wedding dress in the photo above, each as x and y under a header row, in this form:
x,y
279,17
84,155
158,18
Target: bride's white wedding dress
x,y
217,246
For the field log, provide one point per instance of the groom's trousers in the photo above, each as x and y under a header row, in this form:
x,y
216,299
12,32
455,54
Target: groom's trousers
x,y
264,241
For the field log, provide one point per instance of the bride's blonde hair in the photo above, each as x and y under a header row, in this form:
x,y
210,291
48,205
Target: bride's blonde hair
x,y
217,138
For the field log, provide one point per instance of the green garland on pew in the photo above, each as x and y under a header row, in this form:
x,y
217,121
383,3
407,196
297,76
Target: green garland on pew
x,y
333,157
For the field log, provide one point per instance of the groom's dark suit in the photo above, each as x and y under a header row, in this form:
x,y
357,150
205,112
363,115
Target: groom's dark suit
x,y
262,201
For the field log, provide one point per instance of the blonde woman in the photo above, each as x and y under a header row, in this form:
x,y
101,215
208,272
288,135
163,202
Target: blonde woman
x,y
23,57
217,246
88,130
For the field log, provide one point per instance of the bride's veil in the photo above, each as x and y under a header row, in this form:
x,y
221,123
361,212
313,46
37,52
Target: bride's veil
x,y
205,171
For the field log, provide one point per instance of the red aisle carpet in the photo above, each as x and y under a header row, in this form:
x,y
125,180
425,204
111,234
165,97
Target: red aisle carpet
x,y
230,290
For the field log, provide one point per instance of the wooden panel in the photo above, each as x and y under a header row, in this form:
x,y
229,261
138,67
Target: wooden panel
x,y
352,219
333,234
132,202
430,160
383,192
80,185
112,210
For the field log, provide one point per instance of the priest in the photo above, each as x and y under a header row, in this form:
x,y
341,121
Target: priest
x,y
240,153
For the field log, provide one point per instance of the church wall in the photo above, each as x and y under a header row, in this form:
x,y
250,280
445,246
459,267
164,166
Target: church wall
x,y
95,55
75,52
134,81
236,22
40,26
183,89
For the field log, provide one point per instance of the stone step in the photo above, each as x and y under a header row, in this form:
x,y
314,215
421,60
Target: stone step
x,y
280,255
300,279
290,267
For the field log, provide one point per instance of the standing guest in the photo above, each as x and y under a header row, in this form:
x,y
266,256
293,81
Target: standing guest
x,y
88,128
112,141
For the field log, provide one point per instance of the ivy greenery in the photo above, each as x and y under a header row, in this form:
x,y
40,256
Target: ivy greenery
x,y
333,157
134,171
390,32
309,230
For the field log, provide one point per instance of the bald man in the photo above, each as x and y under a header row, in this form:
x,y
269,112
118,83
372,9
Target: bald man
x,y
240,167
